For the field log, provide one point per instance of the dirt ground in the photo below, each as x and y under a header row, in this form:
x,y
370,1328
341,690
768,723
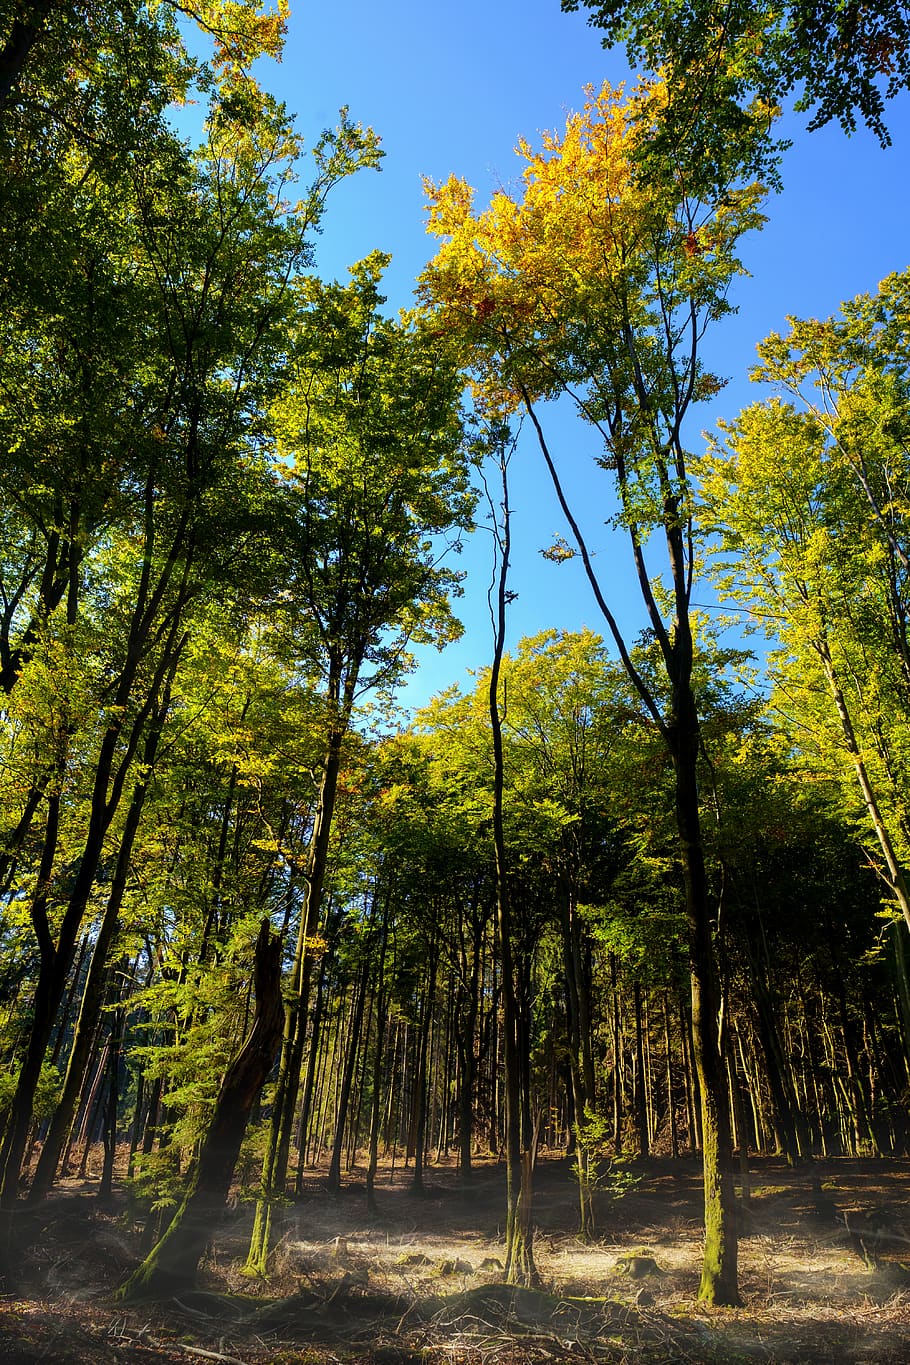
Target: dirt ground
x,y
821,1270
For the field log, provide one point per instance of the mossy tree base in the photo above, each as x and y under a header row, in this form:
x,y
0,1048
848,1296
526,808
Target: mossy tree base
x,y
256,1265
520,1267
172,1264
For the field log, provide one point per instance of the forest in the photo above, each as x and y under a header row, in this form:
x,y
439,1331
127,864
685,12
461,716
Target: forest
x,y
567,1016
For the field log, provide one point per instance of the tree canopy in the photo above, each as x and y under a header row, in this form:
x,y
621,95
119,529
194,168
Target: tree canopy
x,y
840,60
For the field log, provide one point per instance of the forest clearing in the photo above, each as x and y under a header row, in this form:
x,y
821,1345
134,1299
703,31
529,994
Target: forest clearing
x,y
563,1014
422,1281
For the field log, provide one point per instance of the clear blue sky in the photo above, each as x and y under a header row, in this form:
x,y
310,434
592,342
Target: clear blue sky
x,y
450,88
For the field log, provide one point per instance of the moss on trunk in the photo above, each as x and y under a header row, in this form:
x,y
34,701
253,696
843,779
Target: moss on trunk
x,y
172,1263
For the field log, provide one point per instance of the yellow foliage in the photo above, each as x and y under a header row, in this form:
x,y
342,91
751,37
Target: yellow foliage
x,y
588,242
241,30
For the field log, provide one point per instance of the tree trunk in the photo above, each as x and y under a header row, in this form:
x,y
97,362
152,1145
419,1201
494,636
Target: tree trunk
x,y
109,1135
378,1057
24,34
719,1279
275,1164
172,1263
641,1099
418,1125
616,1036
92,998
671,1103
303,1125
519,1267
350,1062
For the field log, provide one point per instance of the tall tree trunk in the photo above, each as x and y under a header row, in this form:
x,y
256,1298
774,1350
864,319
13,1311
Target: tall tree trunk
x,y
92,995
581,1061
350,1063
616,1037
109,1136
275,1164
719,1279
418,1126
671,1103
641,1100
519,1267
378,1057
679,729
306,1108
172,1263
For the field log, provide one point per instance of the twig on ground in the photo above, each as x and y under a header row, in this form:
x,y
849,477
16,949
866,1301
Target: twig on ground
x,y
210,1355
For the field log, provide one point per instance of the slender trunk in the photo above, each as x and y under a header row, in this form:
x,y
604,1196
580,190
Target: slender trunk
x,y
641,1104
581,1073
494,1070
616,1035
113,1099
393,1114
86,1100
135,1126
650,1107
719,1280
465,1032
275,1164
378,1055
671,1104
66,1009
303,1125
519,1267
692,1103
350,1063
417,1141
321,1090
739,1119
581,1094
94,1110
90,1009
153,1116
899,934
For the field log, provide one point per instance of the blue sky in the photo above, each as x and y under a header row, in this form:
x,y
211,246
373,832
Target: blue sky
x,y
450,88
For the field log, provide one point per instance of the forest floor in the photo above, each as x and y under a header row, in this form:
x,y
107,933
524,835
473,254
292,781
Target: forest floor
x,y
820,1270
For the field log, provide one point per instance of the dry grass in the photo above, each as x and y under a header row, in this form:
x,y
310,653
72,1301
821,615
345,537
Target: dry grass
x,y
421,1281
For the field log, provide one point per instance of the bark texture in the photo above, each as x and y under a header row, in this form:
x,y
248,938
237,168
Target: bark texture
x,y
172,1263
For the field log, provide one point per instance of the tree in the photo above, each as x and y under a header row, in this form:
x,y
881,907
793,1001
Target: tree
x,y
434,817
41,37
598,283
842,59
138,489
172,1263
808,503
520,1144
371,445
